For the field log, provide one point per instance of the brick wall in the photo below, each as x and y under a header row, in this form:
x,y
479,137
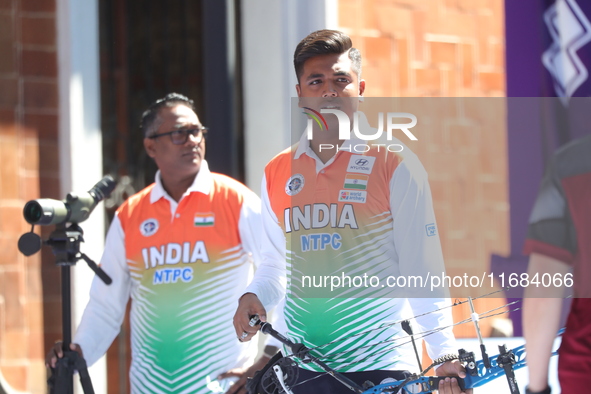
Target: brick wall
x,y
29,157
447,48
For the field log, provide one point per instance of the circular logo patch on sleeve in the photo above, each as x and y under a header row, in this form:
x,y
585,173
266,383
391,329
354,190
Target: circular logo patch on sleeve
x,y
294,185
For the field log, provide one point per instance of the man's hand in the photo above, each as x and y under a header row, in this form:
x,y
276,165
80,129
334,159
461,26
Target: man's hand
x,y
450,386
240,386
57,352
249,305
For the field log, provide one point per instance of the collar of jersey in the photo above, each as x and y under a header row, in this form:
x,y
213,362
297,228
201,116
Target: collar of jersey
x,y
201,184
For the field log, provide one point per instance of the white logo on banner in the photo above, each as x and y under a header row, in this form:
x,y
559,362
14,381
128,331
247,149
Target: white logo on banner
x,y
570,30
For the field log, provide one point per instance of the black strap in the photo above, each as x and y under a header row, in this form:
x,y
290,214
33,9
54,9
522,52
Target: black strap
x,y
547,390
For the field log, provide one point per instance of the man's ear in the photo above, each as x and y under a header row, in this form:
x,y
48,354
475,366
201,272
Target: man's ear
x,y
149,146
299,92
361,87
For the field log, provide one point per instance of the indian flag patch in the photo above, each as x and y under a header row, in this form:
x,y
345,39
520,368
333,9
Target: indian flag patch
x,y
206,219
356,181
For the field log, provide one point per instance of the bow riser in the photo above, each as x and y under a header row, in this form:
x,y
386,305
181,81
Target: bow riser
x,y
482,376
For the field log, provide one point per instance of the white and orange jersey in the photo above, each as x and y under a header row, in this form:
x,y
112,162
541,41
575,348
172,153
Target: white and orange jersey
x,y
184,266
358,215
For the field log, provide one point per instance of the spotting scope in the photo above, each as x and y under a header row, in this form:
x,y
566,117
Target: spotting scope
x,y
75,208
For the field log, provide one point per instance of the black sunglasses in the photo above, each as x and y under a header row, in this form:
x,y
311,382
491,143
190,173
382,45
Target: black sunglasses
x,y
180,136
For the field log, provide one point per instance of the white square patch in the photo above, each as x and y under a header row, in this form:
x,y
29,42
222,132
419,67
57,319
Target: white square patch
x,y
431,229
353,196
361,164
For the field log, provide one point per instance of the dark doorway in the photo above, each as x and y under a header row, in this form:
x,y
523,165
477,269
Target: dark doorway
x,y
152,47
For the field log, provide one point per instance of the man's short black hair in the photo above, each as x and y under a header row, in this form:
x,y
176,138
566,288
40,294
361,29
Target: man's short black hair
x,y
325,42
148,123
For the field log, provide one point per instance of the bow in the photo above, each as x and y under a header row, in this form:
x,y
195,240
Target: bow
x,y
280,375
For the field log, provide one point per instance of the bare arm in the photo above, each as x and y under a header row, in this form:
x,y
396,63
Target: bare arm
x,y
541,319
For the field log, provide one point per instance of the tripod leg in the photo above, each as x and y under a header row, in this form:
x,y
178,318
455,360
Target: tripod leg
x,y
61,380
80,365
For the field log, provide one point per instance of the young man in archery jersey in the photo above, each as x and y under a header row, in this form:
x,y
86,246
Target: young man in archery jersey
x,y
304,201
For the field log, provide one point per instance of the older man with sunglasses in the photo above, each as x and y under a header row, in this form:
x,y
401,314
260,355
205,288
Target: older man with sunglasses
x,y
182,249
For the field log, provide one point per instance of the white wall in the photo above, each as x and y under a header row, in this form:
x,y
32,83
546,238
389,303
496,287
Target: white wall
x,y
271,29
80,140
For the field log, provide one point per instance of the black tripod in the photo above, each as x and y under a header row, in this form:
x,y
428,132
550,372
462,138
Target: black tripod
x,y
65,244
